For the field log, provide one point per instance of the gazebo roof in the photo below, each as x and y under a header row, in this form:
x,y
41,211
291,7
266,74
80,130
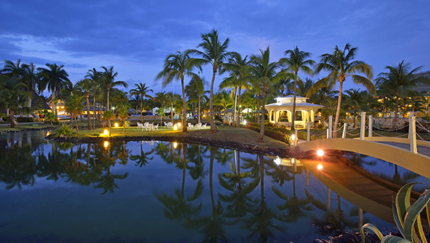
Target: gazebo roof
x,y
287,102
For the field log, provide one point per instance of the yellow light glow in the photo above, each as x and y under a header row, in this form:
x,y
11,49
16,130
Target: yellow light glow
x,y
319,167
175,144
116,124
175,127
293,160
293,137
179,124
48,133
106,144
320,152
106,133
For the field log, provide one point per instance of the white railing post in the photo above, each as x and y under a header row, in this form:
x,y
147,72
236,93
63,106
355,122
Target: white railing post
x,y
370,126
413,135
345,125
363,125
297,138
328,133
309,132
330,127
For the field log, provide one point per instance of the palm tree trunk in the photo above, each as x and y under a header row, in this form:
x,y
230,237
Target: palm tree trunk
x,y
54,103
257,112
211,99
88,111
184,112
107,100
355,125
238,105
262,178
260,138
339,100
183,170
235,103
77,127
293,115
198,111
12,118
141,100
171,113
94,111
396,110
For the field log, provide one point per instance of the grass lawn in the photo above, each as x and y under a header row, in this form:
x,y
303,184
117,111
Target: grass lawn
x,y
227,133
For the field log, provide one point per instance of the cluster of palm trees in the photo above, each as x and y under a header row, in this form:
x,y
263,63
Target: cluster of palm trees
x,y
249,82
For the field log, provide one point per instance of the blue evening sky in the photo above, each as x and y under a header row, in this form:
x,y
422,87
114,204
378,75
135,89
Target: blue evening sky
x,y
135,36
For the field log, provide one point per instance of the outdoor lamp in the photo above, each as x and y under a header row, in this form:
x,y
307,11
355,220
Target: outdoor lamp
x,y
179,124
116,124
319,167
106,132
175,127
293,137
106,144
320,152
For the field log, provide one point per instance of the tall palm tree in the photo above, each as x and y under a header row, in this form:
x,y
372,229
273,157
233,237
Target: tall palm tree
x,y
304,86
31,80
85,86
108,81
176,67
142,90
161,98
56,79
223,99
264,75
238,68
357,100
213,53
95,77
400,81
14,70
340,65
297,61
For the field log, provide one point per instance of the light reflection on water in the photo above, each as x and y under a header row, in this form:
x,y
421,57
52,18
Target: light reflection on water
x,y
164,192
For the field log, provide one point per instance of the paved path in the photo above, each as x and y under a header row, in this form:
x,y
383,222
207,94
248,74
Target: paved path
x,y
421,149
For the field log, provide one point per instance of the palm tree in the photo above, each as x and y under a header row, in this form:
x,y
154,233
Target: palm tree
x,y
74,106
297,61
95,77
171,99
31,80
14,71
357,100
162,98
238,68
264,76
176,67
198,86
12,96
141,90
214,53
123,115
108,80
400,81
223,99
143,158
304,86
56,79
85,86
340,65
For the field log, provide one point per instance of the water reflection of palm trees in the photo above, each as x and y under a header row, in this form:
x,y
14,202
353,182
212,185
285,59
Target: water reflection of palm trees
x,y
179,207
143,158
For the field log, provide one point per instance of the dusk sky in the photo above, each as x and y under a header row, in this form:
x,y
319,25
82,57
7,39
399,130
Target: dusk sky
x,y
136,36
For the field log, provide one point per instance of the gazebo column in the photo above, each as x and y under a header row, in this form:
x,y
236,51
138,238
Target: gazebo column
x,y
289,116
312,116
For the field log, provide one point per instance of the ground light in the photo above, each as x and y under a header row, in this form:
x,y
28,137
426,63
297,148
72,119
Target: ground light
x,y
116,124
106,144
175,127
320,152
319,167
293,137
106,133
179,124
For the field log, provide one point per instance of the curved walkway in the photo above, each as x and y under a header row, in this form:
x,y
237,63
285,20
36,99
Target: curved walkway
x,y
393,153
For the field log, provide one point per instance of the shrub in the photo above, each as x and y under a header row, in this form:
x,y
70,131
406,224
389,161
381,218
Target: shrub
x,y
126,124
64,130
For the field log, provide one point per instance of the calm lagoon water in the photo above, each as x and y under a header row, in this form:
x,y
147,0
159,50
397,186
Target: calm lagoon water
x,y
166,192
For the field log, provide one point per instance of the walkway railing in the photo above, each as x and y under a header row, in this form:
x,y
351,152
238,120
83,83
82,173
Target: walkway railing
x,y
389,126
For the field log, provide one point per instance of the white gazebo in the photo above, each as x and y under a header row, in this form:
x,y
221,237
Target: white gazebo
x,y
280,112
